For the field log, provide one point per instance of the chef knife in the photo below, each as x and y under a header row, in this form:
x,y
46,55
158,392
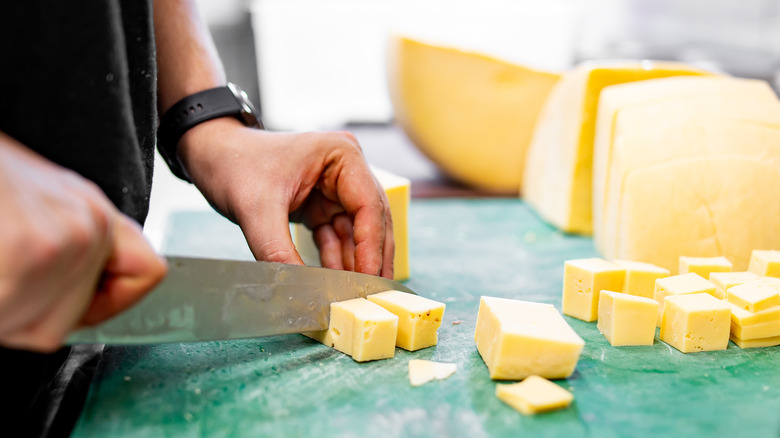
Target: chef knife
x,y
210,299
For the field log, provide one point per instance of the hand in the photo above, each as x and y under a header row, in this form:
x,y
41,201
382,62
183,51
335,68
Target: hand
x,y
60,235
263,180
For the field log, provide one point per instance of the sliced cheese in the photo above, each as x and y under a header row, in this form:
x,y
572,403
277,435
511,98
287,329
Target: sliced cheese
x,y
756,331
471,114
765,263
423,371
724,281
583,279
753,297
397,189
361,329
419,318
704,266
679,285
641,277
756,343
558,169
747,100
742,317
517,339
626,319
696,322
534,395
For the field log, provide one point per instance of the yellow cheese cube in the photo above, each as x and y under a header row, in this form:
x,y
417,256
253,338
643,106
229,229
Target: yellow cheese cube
x,y
583,279
704,266
397,189
628,110
756,331
765,263
360,329
626,319
680,285
756,343
534,395
517,339
753,297
724,281
558,178
696,322
423,371
418,318
641,277
744,318
471,114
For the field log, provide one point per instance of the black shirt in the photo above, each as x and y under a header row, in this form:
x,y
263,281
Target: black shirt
x,y
78,85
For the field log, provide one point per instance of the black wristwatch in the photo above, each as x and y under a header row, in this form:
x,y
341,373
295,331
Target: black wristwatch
x,y
230,100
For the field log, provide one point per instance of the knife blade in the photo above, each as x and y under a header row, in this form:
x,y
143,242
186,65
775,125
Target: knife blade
x,y
211,299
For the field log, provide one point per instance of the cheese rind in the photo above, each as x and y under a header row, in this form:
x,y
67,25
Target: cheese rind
x,y
626,319
423,371
419,318
361,329
704,266
753,297
680,285
765,263
641,277
583,279
534,395
696,322
517,339
724,281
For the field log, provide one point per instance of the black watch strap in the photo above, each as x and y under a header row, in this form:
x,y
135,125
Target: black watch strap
x,y
198,108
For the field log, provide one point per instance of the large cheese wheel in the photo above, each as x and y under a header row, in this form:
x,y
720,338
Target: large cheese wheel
x,y
755,99
558,179
471,114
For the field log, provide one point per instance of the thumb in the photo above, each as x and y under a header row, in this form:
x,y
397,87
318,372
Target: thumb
x,y
132,270
268,234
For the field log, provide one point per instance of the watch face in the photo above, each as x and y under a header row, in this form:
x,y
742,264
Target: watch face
x,y
248,111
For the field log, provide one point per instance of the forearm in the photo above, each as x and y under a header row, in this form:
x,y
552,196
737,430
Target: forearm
x,y
187,61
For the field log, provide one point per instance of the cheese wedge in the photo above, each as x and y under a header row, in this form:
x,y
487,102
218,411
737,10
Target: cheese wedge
x,y
627,319
423,371
534,395
517,339
641,277
765,263
398,192
696,322
751,96
724,281
684,284
471,114
361,329
419,318
583,279
558,169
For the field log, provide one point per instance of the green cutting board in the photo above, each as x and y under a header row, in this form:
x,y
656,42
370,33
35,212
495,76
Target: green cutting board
x,y
291,386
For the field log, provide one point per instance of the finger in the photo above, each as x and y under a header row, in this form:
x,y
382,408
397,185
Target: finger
x,y
132,270
317,210
267,232
330,247
388,250
342,224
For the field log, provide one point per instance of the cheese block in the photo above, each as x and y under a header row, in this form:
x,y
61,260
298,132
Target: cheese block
x,y
706,92
517,339
756,331
742,317
423,371
558,169
679,285
753,297
627,319
583,279
765,263
641,277
471,114
534,395
723,281
696,322
704,266
419,318
398,192
360,329
756,343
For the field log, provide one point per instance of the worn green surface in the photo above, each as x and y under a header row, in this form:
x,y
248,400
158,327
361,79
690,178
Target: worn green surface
x,y
460,249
